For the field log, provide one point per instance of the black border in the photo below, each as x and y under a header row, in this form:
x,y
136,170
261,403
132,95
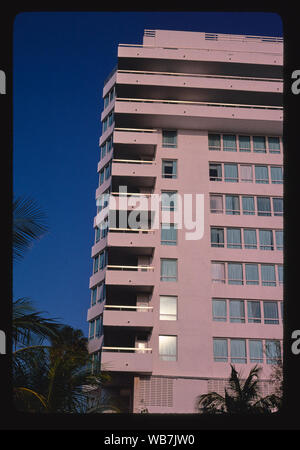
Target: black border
x,y
120,424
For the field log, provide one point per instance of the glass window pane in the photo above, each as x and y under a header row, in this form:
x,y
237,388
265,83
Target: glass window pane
x,y
214,142
218,272
169,138
271,313
94,295
263,206
168,270
169,200
248,205
244,142
266,240
232,204
273,352
278,206
169,169
256,351
215,172
276,175
238,351
234,239
261,174
231,173
279,239
280,274
237,311
217,237
168,308
246,174
219,310
168,348
251,274
220,350
216,204
259,144
250,238
168,234
274,144
235,273
268,275
229,142
253,310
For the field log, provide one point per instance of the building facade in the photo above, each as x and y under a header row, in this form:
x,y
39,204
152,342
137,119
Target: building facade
x,y
188,254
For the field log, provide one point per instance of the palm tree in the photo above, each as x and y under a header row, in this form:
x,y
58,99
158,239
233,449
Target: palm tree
x,y
244,397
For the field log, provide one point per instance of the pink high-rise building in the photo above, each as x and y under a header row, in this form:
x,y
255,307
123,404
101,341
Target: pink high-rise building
x,y
174,302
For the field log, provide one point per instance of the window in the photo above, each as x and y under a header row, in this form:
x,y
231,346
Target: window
x,y
256,351
232,204
273,351
168,348
279,239
246,173
107,171
217,237
218,272
229,143
215,172
259,144
261,174
168,234
276,175
278,206
168,308
250,238
263,206
220,350
216,204
274,144
235,273
251,271
214,142
93,296
248,205
231,173
96,264
268,275
270,313
280,274
98,235
234,238
244,143
169,138
237,311
266,240
219,310
253,309
95,328
238,351
101,177
168,270
169,169
169,200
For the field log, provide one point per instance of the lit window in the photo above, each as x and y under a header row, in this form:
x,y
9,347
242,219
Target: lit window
x,y
168,348
168,308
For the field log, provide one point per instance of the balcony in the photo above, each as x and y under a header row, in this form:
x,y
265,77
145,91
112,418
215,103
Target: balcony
x,y
209,116
134,171
128,316
130,275
126,359
129,237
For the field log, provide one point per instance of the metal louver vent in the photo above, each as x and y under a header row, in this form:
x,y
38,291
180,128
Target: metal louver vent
x,y
156,391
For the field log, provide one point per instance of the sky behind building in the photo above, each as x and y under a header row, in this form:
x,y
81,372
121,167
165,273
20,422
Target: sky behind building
x,y
60,62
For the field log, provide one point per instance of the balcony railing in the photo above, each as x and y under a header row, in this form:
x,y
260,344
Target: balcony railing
x,y
132,268
132,161
129,308
127,349
137,130
198,75
186,102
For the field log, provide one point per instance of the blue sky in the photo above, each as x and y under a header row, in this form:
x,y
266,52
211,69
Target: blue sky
x,y
60,61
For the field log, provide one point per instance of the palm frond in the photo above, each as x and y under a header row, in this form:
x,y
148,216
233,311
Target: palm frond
x,y
28,225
